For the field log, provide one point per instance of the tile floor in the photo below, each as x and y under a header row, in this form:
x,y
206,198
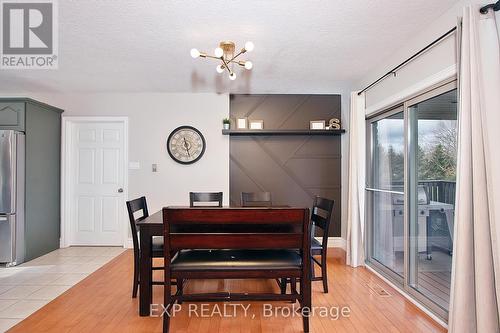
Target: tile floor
x,y
26,288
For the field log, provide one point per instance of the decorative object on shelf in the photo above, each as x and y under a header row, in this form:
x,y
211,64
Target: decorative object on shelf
x,y
226,123
256,124
334,123
317,124
226,54
186,145
241,123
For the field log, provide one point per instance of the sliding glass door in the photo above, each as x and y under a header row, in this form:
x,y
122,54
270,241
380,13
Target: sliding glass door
x,y
432,172
385,191
411,194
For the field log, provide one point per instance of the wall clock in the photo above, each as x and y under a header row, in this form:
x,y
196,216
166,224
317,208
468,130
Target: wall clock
x,y
186,145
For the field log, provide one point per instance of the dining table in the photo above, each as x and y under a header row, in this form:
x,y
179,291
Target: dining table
x,y
152,226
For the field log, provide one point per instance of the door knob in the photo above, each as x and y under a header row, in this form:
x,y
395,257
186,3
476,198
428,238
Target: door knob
x,y
120,190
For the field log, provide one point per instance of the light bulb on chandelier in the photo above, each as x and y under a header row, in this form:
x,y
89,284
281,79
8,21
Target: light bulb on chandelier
x,y
249,46
219,69
195,53
219,52
232,76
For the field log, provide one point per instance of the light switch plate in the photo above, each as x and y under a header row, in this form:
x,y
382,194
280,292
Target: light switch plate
x,y
155,167
134,165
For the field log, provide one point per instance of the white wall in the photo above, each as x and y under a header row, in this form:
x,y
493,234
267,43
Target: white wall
x,y
152,116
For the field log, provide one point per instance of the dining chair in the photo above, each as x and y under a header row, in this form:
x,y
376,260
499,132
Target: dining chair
x,y
206,198
321,214
256,199
134,206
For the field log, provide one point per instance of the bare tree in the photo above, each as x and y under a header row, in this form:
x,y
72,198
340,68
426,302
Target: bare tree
x,y
447,136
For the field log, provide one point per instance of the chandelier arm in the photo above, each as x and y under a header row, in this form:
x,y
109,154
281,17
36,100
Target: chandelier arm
x,y
226,65
234,57
227,61
239,63
237,55
212,57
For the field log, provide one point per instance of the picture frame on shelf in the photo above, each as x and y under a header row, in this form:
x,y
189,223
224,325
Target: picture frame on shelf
x,y
317,124
241,123
256,124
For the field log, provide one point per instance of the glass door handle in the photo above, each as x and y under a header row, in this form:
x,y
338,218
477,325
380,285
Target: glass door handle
x,y
120,190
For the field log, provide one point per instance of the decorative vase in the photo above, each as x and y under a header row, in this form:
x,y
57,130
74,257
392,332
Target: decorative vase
x,y
225,126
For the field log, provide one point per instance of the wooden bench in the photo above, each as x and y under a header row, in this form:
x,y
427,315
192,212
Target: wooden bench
x,y
237,243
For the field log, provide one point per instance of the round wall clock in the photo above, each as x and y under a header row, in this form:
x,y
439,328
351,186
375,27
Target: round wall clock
x,y
185,144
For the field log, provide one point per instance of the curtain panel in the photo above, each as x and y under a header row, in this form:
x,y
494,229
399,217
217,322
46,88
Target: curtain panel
x,y
475,294
356,188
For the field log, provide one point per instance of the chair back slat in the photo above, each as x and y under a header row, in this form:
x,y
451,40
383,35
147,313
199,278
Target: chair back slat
x,y
274,228
208,215
321,215
205,198
235,241
256,199
134,206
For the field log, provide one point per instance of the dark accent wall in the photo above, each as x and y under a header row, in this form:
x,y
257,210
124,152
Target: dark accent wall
x,y
293,168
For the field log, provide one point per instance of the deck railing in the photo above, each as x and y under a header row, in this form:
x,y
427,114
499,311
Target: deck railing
x,y
436,190
440,190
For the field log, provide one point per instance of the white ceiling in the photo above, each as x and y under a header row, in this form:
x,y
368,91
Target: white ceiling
x,y
300,46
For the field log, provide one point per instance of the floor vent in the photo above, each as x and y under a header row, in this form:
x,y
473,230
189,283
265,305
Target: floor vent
x,y
379,290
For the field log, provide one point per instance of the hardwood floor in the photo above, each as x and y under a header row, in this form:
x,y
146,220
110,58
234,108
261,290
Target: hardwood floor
x,y
102,303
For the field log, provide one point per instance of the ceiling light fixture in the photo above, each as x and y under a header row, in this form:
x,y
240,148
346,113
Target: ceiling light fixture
x,y
226,54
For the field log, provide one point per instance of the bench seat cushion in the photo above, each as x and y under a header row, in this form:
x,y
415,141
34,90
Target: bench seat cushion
x,y
207,260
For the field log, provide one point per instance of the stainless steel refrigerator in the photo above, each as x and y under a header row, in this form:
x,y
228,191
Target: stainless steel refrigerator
x,y
12,171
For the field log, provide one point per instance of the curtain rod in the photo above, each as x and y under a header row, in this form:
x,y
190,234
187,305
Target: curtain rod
x,y
495,6
393,71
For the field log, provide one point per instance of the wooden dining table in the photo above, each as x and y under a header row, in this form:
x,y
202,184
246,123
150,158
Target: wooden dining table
x,y
148,228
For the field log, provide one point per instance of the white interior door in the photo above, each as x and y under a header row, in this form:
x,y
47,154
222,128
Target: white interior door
x,y
97,182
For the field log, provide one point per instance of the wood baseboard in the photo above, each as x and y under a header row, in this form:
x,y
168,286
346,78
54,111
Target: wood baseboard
x,y
338,242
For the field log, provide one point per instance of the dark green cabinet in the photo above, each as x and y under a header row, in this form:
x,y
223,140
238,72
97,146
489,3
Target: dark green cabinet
x,y
12,115
38,203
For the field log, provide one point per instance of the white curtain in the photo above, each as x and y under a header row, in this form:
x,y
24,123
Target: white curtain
x,y
475,294
356,196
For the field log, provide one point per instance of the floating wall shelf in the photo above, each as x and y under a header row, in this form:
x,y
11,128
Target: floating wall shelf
x,y
283,132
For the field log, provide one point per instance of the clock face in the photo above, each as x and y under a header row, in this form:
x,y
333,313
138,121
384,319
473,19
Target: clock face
x,y
186,145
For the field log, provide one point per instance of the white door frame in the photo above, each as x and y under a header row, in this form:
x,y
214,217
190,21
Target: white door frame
x,y
67,124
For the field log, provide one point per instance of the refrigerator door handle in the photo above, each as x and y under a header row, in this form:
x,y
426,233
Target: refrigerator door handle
x,y
8,168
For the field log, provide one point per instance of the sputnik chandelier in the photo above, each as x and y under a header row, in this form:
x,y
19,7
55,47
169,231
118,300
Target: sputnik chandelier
x,y
226,54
